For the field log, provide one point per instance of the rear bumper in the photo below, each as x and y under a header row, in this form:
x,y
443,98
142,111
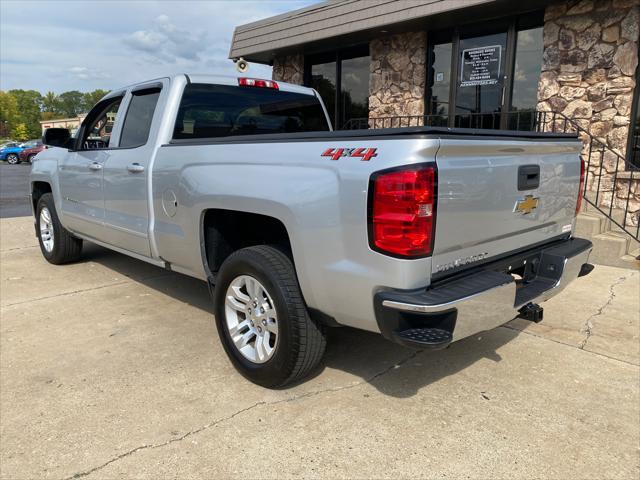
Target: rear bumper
x,y
486,298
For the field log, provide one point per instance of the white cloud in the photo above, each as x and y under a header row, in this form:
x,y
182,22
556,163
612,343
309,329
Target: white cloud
x,y
83,45
166,42
86,73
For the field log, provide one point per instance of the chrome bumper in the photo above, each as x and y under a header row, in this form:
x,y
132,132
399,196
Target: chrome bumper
x,y
484,299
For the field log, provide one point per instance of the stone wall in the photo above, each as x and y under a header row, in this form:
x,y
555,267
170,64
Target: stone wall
x,y
398,71
588,74
289,68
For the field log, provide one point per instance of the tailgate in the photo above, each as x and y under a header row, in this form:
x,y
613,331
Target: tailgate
x,y
485,211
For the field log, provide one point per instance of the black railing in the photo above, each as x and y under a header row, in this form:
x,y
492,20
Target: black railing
x,y
524,120
609,177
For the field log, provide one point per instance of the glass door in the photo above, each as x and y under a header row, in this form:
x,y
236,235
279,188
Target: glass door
x,y
480,81
485,75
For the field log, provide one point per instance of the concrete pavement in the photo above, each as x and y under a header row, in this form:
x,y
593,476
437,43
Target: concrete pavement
x,y
111,368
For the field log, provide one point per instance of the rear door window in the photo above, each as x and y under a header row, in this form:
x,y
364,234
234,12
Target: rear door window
x,y
137,123
208,111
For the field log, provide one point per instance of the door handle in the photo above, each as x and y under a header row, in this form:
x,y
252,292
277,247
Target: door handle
x,y
135,168
95,166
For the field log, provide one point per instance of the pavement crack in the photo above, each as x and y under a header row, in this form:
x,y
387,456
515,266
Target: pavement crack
x,y
17,248
588,324
591,352
240,412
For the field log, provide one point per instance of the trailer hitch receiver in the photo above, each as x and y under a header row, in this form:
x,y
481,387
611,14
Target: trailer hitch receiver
x,y
532,312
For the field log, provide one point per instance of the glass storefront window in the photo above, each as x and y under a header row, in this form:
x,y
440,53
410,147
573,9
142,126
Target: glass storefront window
x,y
526,75
440,83
354,88
346,72
323,80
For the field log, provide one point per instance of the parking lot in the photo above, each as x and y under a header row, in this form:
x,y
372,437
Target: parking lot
x,y
14,190
112,368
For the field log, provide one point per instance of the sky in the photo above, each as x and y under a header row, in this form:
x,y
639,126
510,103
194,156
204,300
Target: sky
x,y
50,45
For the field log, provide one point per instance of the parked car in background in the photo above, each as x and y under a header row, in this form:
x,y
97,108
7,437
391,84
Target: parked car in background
x,y
31,149
11,153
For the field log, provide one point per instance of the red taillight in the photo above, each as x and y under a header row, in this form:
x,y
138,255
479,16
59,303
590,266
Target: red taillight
x,y
581,188
402,209
256,82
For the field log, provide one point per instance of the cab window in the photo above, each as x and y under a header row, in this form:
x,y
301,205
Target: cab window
x,y
137,123
99,124
208,111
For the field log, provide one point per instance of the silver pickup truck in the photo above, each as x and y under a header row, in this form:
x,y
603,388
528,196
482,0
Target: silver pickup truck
x,y
425,235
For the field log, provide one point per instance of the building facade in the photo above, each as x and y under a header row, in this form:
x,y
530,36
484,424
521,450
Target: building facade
x,y
563,65
70,123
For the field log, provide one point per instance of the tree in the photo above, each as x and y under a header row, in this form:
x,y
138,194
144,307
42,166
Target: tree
x,y
29,107
20,132
91,98
8,113
71,103
50,103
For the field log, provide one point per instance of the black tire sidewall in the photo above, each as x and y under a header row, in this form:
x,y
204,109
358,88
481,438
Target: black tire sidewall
x,y
31,157
278,368
46,200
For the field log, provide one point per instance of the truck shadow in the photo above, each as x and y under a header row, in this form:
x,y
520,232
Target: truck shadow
x,y
393,370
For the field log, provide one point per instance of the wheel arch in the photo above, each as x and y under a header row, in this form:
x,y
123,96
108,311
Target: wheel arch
x,y
223,232
39,188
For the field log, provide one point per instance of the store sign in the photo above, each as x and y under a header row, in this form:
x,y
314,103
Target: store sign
x,y
480,66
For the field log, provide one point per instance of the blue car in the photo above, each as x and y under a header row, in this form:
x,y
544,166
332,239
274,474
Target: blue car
x,y
11,153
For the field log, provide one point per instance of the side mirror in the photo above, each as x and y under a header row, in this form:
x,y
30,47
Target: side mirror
x,y
57,137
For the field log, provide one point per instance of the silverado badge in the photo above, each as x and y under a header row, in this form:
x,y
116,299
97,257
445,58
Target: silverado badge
x,y
527,205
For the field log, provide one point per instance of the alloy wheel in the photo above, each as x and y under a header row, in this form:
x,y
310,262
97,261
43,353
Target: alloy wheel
x,y
46,229
251,319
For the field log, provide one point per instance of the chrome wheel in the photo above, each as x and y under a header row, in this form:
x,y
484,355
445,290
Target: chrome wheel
x,y
251,319
46,229
12,158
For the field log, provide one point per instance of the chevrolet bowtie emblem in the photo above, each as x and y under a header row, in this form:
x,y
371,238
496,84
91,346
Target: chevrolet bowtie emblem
x,y
526,205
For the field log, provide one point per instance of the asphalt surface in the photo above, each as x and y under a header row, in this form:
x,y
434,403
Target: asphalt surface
x,y
111,368
14,190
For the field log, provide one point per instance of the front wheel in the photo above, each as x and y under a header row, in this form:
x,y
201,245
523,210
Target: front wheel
x,y
262,320
57,244
13,159
31,157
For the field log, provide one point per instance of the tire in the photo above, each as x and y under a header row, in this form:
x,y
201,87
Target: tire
x,y
299,342
30,158
13,159
64,247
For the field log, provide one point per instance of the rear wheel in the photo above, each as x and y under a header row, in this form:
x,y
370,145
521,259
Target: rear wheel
x,y
57,244
262,320
13,159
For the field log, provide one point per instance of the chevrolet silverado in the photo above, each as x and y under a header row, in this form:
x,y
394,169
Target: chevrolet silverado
x,y
425,235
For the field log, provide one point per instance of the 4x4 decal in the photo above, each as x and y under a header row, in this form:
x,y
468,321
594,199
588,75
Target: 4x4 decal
x,y
365,154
